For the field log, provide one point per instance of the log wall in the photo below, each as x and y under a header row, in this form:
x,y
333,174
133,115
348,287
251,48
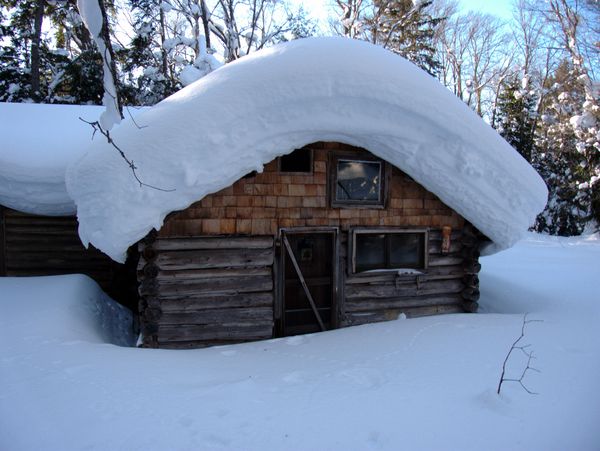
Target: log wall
x,y
32,245
209,275
449,285
205,291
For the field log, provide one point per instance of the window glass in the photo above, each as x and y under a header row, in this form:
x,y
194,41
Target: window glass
x,y
370,252
358,181
390,250
406,250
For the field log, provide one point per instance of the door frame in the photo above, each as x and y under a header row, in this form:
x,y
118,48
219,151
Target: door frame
x,y
279,262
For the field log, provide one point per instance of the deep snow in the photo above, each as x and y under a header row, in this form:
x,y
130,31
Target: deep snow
x,y
39,141
426,383
243,115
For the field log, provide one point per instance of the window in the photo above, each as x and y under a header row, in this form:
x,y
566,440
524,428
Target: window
x,y
300,160
389,249
358,182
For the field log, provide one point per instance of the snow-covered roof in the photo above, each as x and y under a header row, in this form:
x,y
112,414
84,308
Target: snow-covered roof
x,y
243,115
38,142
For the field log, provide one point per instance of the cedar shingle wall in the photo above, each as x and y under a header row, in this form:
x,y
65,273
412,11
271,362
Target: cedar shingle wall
x,y
260,205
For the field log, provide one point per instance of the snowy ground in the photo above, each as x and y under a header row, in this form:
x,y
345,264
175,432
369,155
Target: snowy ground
x,y
425,383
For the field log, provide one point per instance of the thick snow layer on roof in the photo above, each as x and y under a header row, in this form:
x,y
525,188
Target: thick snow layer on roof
x,y
39,141
243,115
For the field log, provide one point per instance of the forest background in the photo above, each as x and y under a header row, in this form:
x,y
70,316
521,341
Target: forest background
x,y
533,78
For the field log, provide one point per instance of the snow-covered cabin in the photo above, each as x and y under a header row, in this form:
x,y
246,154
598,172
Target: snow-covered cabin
x,y
317,184
38,224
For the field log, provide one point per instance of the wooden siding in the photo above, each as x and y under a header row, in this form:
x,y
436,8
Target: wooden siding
x,y
204,291
32,245
448,285
265,202
209,275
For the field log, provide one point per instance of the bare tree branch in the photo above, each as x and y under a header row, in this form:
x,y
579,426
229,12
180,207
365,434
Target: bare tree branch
x,y
106,133
528,354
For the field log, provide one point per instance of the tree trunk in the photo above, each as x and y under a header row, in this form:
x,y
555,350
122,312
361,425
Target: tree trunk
x,y
35,49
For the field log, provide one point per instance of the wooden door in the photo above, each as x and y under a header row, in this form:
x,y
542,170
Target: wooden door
x,y
308,280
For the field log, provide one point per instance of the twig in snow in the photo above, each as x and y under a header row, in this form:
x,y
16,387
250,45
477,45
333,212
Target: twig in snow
x,y
524,350
98,128
139,127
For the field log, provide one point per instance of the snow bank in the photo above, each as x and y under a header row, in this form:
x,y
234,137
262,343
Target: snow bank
x,y
243,115
415,384
39,141
65,308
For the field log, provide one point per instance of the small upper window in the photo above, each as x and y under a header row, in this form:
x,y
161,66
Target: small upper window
x,y
300,160
357,182
388,250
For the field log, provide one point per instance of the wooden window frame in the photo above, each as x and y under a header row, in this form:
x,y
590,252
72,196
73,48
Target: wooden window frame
x,y
312,163
363,157
385,231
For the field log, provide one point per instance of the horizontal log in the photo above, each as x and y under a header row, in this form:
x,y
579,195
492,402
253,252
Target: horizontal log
x,y
353,319
428,274
172,244
436,234
222,285
472,267
199,344
397,290
182,276
211,332
471,294
249,316
220,258
48,246
364,305
242,300
471,280
435,247
445,260
150,271
42,230
16,239
470,306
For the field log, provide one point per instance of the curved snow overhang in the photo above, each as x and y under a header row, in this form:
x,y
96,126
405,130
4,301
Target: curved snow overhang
x,y
39,141
242,116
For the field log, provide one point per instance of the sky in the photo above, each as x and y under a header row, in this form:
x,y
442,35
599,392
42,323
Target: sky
x,y
500,8
319,9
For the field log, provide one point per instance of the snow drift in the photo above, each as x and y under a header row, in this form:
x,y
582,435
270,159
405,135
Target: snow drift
x,y
243,115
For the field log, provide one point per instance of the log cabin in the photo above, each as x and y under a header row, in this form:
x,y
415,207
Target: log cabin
x,y
327,236
318,184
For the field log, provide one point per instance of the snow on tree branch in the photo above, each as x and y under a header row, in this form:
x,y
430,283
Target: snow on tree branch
x,y
93,18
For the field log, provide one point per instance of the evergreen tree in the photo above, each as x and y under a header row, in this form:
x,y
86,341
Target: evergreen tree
x,y
559,159
515,118
407,28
